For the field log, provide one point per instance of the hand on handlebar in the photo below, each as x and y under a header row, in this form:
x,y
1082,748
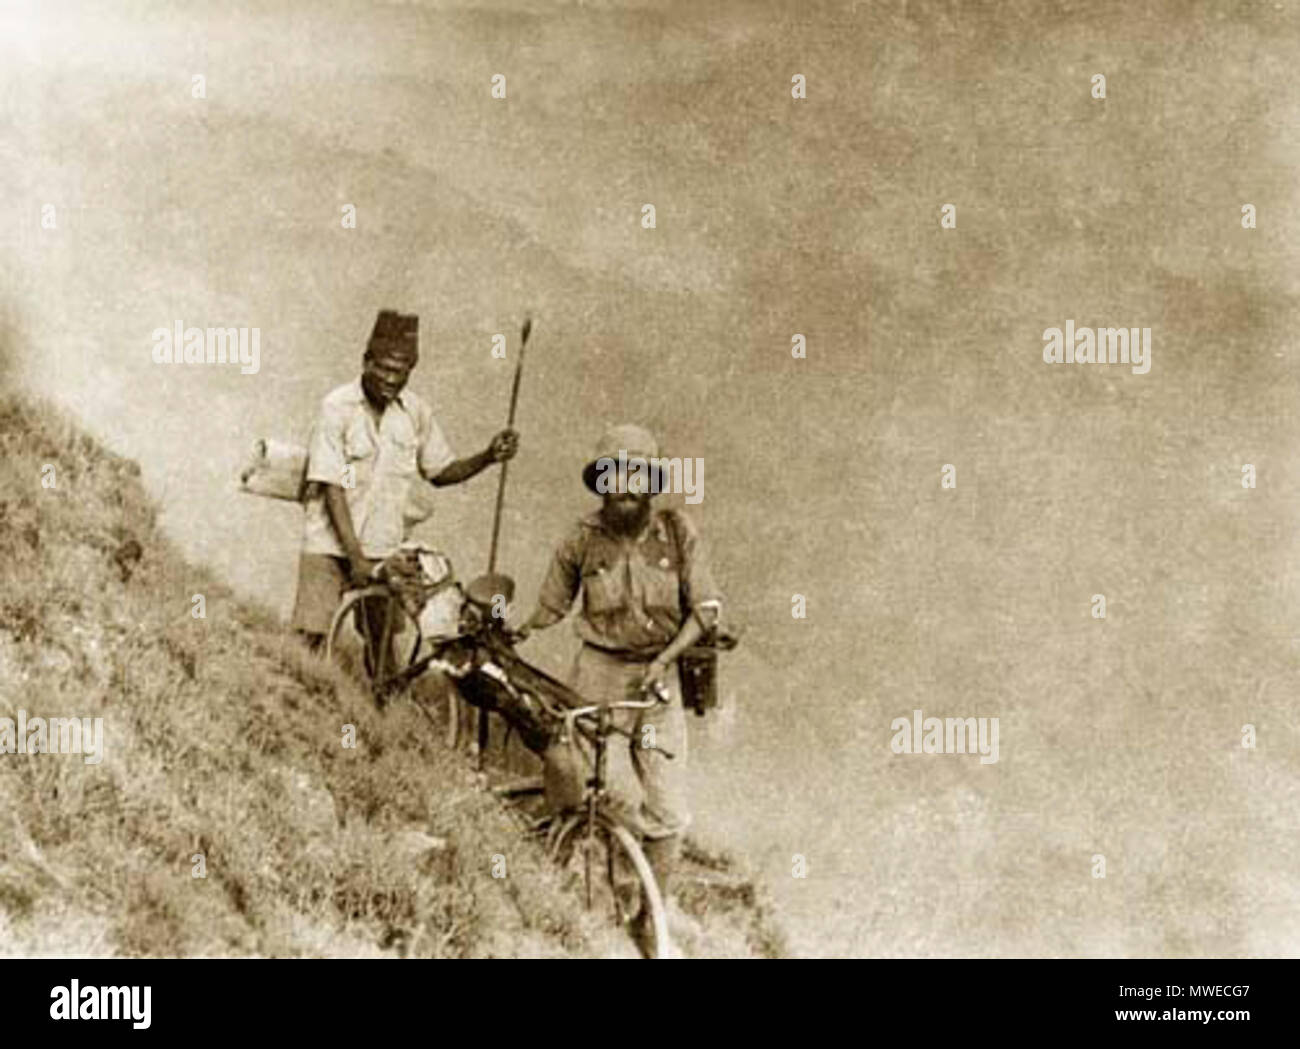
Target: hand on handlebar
x,y
516,634
653,681
362,570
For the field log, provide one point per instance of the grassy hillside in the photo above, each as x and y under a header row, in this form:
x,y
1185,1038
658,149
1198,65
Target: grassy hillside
x,y
222,736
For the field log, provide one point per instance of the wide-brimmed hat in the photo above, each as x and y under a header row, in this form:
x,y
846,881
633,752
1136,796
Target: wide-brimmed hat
x,y
626,443
395,335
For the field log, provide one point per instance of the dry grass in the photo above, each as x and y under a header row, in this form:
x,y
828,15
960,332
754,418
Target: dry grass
x,y
224,737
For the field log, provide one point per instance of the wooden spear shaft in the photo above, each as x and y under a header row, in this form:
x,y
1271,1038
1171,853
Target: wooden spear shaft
x,y
510,422
496,517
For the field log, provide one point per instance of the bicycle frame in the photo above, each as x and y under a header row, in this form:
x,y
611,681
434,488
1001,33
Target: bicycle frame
x,y
594,790
491,675
489,652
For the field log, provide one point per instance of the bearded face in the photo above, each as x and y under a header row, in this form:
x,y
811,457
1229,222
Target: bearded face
x,y
626,512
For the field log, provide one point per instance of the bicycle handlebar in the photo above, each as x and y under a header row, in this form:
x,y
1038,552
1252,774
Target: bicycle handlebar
x,y
570,715
656,698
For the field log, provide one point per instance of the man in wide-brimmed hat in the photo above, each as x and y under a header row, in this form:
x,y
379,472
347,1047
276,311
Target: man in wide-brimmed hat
x,y
648,595
372,441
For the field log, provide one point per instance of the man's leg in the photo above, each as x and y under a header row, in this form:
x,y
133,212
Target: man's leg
x,y
663,855
665,812
368,619
647,789
601,678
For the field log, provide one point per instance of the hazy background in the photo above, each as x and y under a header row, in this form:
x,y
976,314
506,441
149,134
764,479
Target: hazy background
x,y
775,216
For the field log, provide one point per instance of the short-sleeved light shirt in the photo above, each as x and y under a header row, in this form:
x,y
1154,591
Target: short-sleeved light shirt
x,y
380,458
637,592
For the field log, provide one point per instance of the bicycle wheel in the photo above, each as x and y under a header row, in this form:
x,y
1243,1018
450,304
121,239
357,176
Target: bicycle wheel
x,y
615,873
360,623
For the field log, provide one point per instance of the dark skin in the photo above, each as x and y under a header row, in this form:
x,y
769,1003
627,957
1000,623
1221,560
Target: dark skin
x,y
383,377
627,514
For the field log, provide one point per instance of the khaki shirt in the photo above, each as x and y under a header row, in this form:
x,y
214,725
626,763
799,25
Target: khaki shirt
x,y
386,458
636,592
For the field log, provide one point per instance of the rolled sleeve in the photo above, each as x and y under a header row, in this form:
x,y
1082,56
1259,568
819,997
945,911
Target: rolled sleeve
x,y
700,593
325,458
436,453
563,578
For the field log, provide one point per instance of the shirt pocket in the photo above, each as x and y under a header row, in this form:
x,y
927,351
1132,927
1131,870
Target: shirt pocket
x,y
359,451
603,590
405,451
662,585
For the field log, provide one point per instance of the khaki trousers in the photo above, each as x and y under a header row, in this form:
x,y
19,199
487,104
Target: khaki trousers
x,y
647,789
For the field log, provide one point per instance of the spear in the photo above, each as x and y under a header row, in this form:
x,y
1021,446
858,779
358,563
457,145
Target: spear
x,y
496,517
501,483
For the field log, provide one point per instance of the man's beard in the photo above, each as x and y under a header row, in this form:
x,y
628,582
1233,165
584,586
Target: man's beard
x,y
626,517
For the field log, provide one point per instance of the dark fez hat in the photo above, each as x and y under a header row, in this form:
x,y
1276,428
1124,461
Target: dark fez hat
x,y
395,335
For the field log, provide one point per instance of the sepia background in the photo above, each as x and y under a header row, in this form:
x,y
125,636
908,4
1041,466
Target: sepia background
x,y
775,216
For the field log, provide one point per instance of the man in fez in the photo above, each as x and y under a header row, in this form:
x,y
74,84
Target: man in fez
x,y
372,441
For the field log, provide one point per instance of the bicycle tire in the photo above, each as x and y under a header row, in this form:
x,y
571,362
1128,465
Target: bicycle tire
x,y
375,666
616,836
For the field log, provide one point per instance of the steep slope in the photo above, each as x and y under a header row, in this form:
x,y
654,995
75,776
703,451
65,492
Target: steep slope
x,y
223,754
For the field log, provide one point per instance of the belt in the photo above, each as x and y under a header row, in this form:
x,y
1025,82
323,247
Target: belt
x,y
623,655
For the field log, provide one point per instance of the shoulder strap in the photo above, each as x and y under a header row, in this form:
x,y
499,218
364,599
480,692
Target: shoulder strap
x,y
674,528
719,637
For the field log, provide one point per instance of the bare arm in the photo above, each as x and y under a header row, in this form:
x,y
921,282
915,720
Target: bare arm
x,y
503,448
690,633
336,505
464,469
699,594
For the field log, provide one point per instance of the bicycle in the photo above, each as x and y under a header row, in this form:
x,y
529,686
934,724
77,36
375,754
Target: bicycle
x,y
597,838
586,835
376,617
487,673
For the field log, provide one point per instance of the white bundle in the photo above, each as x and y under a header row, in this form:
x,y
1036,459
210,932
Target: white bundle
x,y
440,617
276,469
